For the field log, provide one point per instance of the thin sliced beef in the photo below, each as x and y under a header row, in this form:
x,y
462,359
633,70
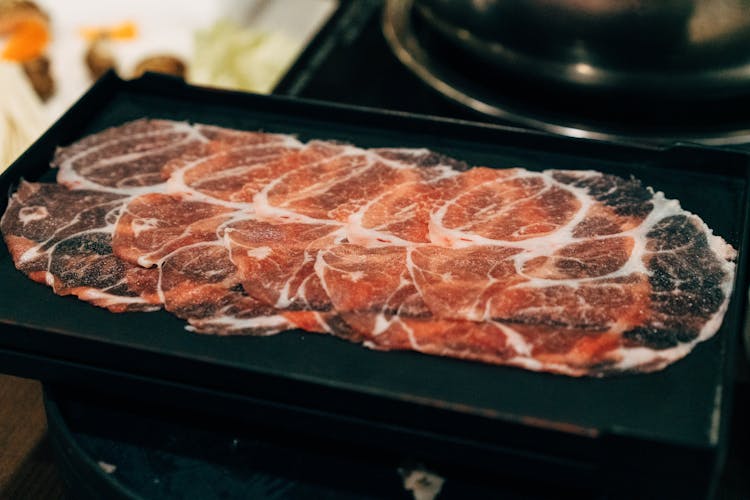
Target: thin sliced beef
x,y
218,173
580,271
140,152
288,264
154,225
276,261
333,181
72,242
483,283
401,214
403,321
571,272
156,230
199,283
125,159
62,238
69,234
302,212
183,242
515,205
129,158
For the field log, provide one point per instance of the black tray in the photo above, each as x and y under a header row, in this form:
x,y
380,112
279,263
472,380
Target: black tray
x,y
662,430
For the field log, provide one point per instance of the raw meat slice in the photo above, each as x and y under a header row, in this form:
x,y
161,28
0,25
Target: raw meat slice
x,y
401,215
148,233
276,264
154,225
403,321
199,283
117,163
247,232
276,252
512,276
128,159
276,261
571,236
334,181
492,287
183,241
520,206
68,246
125,159
604,287
155,228
62,238
218,170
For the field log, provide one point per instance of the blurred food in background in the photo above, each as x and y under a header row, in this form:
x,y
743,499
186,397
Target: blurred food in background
x,y
25,79
22,115
99,57
51,51
166,64
26,28
230,55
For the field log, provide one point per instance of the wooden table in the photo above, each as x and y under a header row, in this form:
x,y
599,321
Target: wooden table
x,y
27,468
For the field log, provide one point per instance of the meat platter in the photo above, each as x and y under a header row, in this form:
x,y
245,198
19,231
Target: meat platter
x,y
430,406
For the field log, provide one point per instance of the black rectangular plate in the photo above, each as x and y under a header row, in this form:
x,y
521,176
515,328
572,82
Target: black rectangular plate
x,y
683,407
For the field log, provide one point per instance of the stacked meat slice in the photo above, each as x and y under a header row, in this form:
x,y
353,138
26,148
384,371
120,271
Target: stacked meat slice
x,y
571,272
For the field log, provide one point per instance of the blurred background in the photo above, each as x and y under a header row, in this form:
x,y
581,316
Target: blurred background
x,y
51,52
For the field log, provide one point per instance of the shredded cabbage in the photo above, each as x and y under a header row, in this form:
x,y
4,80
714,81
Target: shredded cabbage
x,y
229,56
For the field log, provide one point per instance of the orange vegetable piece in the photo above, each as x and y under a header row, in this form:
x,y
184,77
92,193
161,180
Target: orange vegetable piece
x,y
27,41
124,31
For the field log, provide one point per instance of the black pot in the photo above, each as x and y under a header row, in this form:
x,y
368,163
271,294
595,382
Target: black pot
x,y
672,49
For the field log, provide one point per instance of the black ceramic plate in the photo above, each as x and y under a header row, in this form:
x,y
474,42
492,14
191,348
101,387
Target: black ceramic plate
x,y
673,420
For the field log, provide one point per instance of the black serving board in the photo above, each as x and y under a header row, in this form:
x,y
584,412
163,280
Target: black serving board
x,y
626,431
